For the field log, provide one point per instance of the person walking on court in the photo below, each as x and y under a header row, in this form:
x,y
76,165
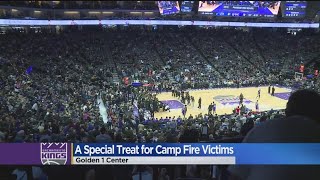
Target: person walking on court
x,y
269,89
259,93
184,111
173,91
210,109
272,92
241,98
188,99
257,106
214,108
192,101
199,103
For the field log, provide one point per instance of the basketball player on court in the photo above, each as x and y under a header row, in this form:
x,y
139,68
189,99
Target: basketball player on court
x,y
257,106
259,93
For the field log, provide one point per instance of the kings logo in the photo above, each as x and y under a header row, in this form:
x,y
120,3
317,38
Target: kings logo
x,y
53,153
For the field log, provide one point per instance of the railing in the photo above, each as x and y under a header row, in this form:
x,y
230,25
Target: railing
x,y
14,22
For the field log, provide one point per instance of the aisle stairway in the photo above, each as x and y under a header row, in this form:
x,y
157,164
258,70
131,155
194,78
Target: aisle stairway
x,y
259,50
102,109
109,58
154,48
225,39
202,55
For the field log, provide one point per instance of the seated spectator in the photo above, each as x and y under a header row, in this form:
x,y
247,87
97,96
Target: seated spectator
x,y
304,103
295,128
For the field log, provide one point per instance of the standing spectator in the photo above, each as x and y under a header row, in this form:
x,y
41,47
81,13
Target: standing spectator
x,y
238,110
103,137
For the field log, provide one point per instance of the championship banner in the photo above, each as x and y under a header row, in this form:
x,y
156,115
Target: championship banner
x,y
166,153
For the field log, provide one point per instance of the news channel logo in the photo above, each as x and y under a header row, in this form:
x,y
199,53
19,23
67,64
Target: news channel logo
x,y
53,153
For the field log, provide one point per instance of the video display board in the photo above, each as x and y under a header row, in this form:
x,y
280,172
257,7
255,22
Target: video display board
x,y
168,7
295,9
186,6
240,8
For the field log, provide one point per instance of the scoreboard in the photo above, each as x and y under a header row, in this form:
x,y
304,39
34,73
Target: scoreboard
x,y
295,9
186,6
239,8
168,7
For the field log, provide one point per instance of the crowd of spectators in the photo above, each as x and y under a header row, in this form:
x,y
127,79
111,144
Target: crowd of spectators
x,y
90,64
73,74
151,5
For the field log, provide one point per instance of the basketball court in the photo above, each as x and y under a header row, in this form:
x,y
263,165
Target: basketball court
x,y
226,100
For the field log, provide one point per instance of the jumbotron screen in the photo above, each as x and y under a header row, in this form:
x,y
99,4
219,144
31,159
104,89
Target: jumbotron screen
x,y
168,7
186,6
240,8
295,9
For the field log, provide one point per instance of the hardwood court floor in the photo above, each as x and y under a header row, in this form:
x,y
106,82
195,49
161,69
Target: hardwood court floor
x,y
226,100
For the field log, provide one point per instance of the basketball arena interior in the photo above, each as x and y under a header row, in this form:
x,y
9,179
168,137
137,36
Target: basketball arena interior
x,y
157,72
